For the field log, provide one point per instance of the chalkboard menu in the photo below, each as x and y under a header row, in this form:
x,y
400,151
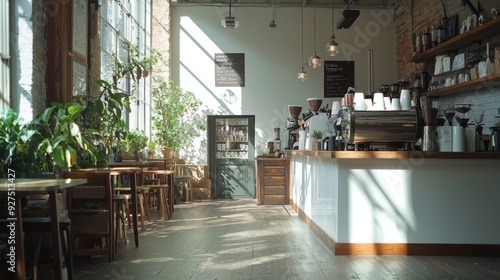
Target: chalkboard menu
x,y
339,75
229,69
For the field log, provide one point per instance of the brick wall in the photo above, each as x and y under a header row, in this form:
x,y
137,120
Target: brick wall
x,y
425,14
160,38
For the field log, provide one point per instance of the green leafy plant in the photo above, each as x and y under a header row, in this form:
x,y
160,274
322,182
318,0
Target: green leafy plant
x,y
174,115
317,134
135,142
62,141
106,112
18,145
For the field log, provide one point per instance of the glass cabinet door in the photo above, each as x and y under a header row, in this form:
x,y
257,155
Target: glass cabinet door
x,y
231,138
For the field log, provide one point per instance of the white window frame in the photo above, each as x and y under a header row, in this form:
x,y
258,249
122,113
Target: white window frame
x,y
136,25
5,98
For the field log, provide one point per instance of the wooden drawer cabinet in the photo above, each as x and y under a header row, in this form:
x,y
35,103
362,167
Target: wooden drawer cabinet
x,y
273,180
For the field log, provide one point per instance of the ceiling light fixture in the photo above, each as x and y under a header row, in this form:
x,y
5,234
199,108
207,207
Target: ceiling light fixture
x,y
272,24
230,22
302,76
332,48
314,60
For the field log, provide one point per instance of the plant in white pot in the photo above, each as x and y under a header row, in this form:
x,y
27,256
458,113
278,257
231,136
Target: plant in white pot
x,y
174,116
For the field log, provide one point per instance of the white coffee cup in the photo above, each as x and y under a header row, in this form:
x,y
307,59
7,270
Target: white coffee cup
x,y
461,78
467,77
448,81
378,101
368,104
359,101
335,108
405,99
387,103
395,104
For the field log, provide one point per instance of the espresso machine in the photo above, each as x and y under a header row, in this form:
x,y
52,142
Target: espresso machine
x,y
389,128
430,108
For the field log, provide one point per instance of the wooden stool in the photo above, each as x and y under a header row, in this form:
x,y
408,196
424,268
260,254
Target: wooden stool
x,y
122,212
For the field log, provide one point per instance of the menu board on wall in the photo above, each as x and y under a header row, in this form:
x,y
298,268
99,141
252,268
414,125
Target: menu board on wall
x,y
229,69
79,31
339,76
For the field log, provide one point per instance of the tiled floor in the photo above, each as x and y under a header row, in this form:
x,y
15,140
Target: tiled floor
x,y
235,239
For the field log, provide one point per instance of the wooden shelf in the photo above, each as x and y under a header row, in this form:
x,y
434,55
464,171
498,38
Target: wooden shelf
x,y
484,31
482,84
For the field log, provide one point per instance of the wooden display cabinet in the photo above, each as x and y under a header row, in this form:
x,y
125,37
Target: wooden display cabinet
x,y
273,180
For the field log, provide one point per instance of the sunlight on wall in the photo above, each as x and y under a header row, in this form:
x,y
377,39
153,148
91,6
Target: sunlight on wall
x,y
197,71
372,198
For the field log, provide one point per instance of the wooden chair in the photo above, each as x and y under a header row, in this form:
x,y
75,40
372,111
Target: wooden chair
x,y
90,208
183,176
34,228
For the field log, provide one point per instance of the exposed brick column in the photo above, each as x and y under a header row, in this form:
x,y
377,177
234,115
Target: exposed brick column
x,y
160,34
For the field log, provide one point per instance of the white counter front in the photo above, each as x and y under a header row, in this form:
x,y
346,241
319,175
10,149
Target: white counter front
x,y
412,205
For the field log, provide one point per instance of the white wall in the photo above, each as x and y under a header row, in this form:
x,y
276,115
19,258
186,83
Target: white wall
x,y
273,58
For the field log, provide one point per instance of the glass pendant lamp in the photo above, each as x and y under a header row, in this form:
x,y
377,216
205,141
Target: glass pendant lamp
x,y
302,76
314,60
332,48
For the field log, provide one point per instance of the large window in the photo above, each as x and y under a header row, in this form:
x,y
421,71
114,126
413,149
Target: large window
x,y
4,56
126,23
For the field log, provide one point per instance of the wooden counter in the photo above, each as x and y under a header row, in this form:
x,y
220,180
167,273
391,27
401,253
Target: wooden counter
x,y
396,154
273,180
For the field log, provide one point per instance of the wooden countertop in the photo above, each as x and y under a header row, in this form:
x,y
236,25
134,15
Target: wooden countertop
x,y
395,154
271,158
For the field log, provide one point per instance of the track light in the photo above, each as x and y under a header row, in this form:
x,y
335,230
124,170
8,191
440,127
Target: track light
x,y
230,22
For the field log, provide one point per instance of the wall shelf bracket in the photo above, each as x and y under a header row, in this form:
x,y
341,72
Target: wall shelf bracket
x,y
471,6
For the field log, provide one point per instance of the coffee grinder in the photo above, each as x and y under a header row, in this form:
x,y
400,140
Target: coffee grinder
x,y
293,124
277,140
430,109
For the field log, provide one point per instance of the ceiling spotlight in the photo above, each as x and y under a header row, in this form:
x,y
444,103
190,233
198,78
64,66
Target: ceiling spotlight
x,y
229,21
272,24
347,19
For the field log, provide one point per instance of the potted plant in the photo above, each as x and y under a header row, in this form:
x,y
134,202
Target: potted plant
x,y
317,136
151,149
61,140
134,143
174,116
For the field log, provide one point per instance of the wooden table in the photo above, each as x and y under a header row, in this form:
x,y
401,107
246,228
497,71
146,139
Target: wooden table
x,y
17,188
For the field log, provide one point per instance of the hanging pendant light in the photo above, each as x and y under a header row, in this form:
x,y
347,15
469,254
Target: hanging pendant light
x,y
314,60
302,76
332,48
